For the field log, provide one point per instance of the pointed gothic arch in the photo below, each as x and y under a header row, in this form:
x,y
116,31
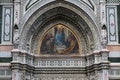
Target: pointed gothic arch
x,y
88,30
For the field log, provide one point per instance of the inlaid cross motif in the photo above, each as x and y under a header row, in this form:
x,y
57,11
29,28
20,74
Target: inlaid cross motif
x,y
112,24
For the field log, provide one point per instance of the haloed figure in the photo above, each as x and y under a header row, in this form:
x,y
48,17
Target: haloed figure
x,y
60,37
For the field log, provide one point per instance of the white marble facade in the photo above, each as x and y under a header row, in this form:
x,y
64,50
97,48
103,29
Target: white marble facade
x,y
84,19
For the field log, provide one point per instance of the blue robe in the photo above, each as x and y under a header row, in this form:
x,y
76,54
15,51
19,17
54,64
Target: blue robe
x,y
59,37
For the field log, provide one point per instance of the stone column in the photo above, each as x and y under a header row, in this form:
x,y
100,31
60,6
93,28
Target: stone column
x,y
104,64
103,23
16,12
24,55
16,22
96,57
105,74
96,75
15,64
15,55
105,55
32,76
103,12
88,63
15,74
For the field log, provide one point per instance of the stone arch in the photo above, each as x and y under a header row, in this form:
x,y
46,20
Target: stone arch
x,y
30,26
40,32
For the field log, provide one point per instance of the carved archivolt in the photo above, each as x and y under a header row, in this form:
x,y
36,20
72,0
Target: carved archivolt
x,y
77,36
59,38
84,31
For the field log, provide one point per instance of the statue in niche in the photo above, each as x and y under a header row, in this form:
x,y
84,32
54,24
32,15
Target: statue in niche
x,y
104,36
16,36
59,40
104,33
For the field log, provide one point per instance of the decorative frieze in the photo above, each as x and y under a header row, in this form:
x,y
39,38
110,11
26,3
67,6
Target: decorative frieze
x,y
5,72
60,63
60,77
6,1
114,72
113,1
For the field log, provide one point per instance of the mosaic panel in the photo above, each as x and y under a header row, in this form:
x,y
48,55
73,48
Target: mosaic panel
x,y
59,40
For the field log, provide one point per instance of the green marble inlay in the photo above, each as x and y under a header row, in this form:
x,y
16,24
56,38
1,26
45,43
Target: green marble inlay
x,y
118,14
0,22
5,60
113,1
114,59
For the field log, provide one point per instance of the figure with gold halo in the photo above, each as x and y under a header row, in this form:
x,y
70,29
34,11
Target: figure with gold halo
x,y
59,40
60,37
